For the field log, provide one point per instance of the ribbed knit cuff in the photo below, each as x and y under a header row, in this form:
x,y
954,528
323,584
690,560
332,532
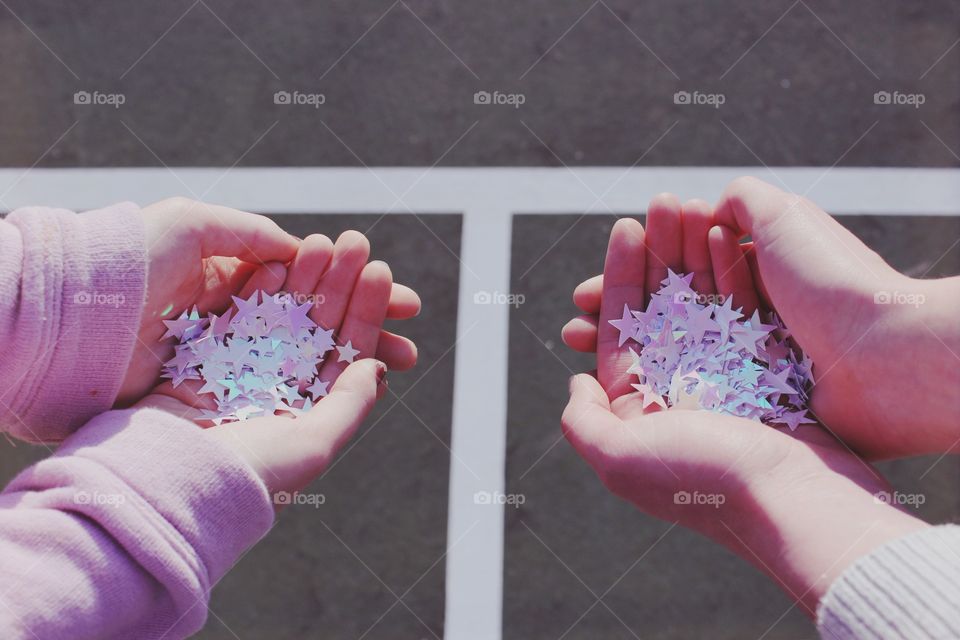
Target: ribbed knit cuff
x,y
82,294
908,588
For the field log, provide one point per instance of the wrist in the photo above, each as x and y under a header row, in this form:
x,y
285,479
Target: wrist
x,y
805,534
922,332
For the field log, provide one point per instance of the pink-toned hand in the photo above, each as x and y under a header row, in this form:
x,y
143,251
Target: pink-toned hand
x,y
197,254
201,254
761,491
885,347
354,298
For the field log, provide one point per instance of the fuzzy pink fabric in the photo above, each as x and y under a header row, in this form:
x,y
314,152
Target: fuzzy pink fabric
x,y
125,529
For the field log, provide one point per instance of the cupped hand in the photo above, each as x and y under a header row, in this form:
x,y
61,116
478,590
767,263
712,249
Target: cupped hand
x,y
886,379
197,254
883,345
201,255
348,294
754,488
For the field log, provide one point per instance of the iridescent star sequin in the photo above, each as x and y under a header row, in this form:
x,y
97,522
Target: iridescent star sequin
x,y
261,356
692,353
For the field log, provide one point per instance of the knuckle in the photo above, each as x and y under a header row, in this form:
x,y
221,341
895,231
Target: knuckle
x,y
180,202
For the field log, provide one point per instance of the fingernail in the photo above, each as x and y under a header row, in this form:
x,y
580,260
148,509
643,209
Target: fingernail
x,y
381,371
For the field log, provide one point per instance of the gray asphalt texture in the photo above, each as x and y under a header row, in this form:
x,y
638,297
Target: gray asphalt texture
x,y
598,80
399,78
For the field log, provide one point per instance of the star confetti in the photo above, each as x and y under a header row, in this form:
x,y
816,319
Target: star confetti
x,y
259,357
709,356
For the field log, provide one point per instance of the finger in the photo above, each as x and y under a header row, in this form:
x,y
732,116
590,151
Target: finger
x,y
587,420
350,254
587,294
623,278
580,334
697,219
308,266
731,270
364,318
268,278
750,254
223,277
663,240
404,303
228,232
397,352
336,417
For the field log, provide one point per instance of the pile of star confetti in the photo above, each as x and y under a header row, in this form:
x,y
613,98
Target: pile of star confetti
x,y
259,357
705,356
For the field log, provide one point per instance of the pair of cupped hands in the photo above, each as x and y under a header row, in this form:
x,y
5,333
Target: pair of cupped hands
x,y
801,506
201,255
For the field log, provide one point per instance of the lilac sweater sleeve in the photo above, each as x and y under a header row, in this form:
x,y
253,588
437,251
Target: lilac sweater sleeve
x,y
71,292
908,588
123,532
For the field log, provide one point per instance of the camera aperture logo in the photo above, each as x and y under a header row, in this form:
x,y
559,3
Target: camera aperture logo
x,y
497,98
100,99
299,98
696,498
497,297
101,299
495,497
285,498
698,98
899,99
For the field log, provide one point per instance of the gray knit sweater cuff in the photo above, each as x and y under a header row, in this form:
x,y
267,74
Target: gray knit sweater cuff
x,y
908,588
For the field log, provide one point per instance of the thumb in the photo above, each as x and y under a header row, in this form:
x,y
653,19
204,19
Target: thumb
x,y
588,420
793,234
803,255
222,231
337,416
